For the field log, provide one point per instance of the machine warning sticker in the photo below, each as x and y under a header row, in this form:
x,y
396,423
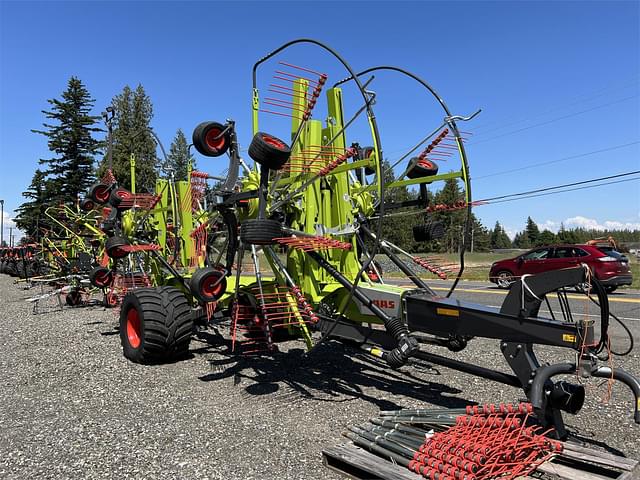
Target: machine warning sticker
x,y
450,312
568,338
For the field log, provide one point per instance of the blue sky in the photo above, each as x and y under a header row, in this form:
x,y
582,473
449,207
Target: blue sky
x,y
554,80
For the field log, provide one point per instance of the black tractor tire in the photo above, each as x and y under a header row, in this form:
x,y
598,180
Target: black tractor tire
x,y
363,154
119,195
208,284
260,231
206,142
114,247
73,298
2,264
20,269
99,193
101,277
155,325
87,205
431,230
420,168
10,269
33,268
269,151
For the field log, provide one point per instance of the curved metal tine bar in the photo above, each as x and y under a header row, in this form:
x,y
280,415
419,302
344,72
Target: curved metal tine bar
x,y
279,202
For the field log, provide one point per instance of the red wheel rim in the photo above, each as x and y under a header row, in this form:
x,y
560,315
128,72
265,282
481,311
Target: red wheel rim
x,y
88,205
274,142
211,289
213,142
102,194
124,194
133,328
119,252
425,164
103,278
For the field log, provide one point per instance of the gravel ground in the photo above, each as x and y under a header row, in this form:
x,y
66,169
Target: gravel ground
x,y
73,407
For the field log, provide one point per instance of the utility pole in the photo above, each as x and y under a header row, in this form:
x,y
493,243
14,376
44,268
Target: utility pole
x,y
11,236
2,223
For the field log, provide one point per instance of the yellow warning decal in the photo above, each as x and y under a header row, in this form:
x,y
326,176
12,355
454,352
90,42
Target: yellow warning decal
x,y
450,312
376,352
568,338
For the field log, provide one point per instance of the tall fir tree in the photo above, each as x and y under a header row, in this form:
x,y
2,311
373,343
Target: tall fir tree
x,y
179,156
70,136
29,216
133,112
533,232
499,238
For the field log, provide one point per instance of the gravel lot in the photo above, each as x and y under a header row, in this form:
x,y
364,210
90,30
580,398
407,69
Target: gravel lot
x,y
73,407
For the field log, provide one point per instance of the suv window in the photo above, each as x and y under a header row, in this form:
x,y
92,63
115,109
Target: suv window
x,y
537,254
612,253
578,252
563,252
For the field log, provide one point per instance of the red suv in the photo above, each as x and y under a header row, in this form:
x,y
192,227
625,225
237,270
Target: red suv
x,y
608,265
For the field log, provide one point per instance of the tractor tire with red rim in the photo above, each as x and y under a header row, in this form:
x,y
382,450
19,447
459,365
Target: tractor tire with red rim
x,y
269,151
116,247
419,168
260,231
118,196
87,205
101,277
99,193
155,325
208,141
208,284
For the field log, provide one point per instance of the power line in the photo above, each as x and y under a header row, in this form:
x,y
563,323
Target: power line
x,y
554,120
564,191
631,82
579,155
583,182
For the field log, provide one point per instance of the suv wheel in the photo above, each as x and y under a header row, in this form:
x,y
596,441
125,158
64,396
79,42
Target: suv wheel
x,y
504,279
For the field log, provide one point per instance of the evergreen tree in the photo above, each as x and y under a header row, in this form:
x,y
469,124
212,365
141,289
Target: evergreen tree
x,y
533,232
547,237
453,221
521,240
566,236
179,156
481,238
70,137
133,112
499,238
29,214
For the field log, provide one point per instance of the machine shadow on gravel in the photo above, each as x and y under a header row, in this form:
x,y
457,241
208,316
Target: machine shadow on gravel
x,y
336,373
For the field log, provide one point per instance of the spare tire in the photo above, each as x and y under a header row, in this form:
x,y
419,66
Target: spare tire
x,y
99,193
101,277
431,230
208,140
419,168
118,196
115,247
208,284
87,205
260,231
269,151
